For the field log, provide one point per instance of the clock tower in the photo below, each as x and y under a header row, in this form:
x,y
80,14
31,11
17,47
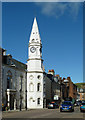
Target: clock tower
x,y
35,70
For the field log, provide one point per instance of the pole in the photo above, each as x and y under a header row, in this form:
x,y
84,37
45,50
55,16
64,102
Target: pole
x,y
20,100
60,91
26,100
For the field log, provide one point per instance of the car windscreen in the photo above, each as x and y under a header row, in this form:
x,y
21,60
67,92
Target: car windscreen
x,y
77,102
66,103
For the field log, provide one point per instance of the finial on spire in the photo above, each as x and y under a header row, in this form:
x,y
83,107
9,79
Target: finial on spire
x,y
35,13
35,23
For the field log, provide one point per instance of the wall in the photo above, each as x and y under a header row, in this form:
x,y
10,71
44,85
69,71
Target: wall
x,y
16,78
47,88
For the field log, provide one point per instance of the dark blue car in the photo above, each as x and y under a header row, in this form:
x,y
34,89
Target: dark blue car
x,y
67,106
82,107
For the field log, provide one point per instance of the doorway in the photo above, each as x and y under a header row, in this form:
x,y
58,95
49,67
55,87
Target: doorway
x,y
11,102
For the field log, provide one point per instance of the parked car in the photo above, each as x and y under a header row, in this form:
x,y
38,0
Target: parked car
x,y
82,107
77,103
67,106
82,101
53,105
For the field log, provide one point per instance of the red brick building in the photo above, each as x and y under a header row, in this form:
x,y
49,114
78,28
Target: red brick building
x,y
70,89
66,88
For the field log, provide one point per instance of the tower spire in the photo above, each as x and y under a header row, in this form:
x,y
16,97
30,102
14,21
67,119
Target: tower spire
x,y
35,36
35,23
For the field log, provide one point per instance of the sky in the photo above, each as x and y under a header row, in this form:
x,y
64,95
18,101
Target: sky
x,y
61,31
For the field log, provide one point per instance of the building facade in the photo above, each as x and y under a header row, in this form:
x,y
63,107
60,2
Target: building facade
x,y
13,83
70,89
80,91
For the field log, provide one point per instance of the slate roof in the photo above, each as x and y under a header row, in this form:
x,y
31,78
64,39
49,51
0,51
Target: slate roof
x,y
8,60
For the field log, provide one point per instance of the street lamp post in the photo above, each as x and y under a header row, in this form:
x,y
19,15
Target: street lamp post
x,y
60,82
20,100
26,100
60,91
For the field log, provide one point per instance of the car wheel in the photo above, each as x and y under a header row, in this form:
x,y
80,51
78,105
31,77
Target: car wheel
x,y
73,110
80,110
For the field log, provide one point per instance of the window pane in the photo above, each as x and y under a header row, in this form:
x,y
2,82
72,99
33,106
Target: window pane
x,y
38,87
38,101
31,87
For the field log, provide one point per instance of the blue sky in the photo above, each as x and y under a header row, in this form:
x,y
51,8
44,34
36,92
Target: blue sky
x,y
61,31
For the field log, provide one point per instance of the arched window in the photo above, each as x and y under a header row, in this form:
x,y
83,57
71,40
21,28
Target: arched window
x,y
21,82
9,80
31,87
31,101
38,87
39,77
38,101
33,40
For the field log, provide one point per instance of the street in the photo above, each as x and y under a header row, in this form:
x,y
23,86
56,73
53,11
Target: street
x,y
44,113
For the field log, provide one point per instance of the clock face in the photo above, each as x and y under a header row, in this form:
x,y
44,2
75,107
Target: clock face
x,y
32,49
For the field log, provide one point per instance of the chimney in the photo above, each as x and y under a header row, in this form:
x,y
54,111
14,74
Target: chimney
x,y
64,79
68,78
3,52
51,72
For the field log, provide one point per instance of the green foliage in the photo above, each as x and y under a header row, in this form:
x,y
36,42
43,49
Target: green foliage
x,y
80,85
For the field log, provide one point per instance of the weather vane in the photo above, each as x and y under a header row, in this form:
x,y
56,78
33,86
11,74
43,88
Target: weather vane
x,y
35,13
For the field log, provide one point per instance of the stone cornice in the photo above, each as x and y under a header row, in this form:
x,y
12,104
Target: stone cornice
x,y
15,68
35,44
34,71
35,59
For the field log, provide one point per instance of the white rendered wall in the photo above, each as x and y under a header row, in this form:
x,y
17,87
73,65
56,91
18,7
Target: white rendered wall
x,y
35,94
34,69
34,65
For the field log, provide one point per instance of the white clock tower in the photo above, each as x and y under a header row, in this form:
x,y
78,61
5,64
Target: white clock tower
x,y
35,70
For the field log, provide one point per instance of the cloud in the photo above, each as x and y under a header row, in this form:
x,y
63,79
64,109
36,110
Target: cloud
x,y
58,9
74,9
